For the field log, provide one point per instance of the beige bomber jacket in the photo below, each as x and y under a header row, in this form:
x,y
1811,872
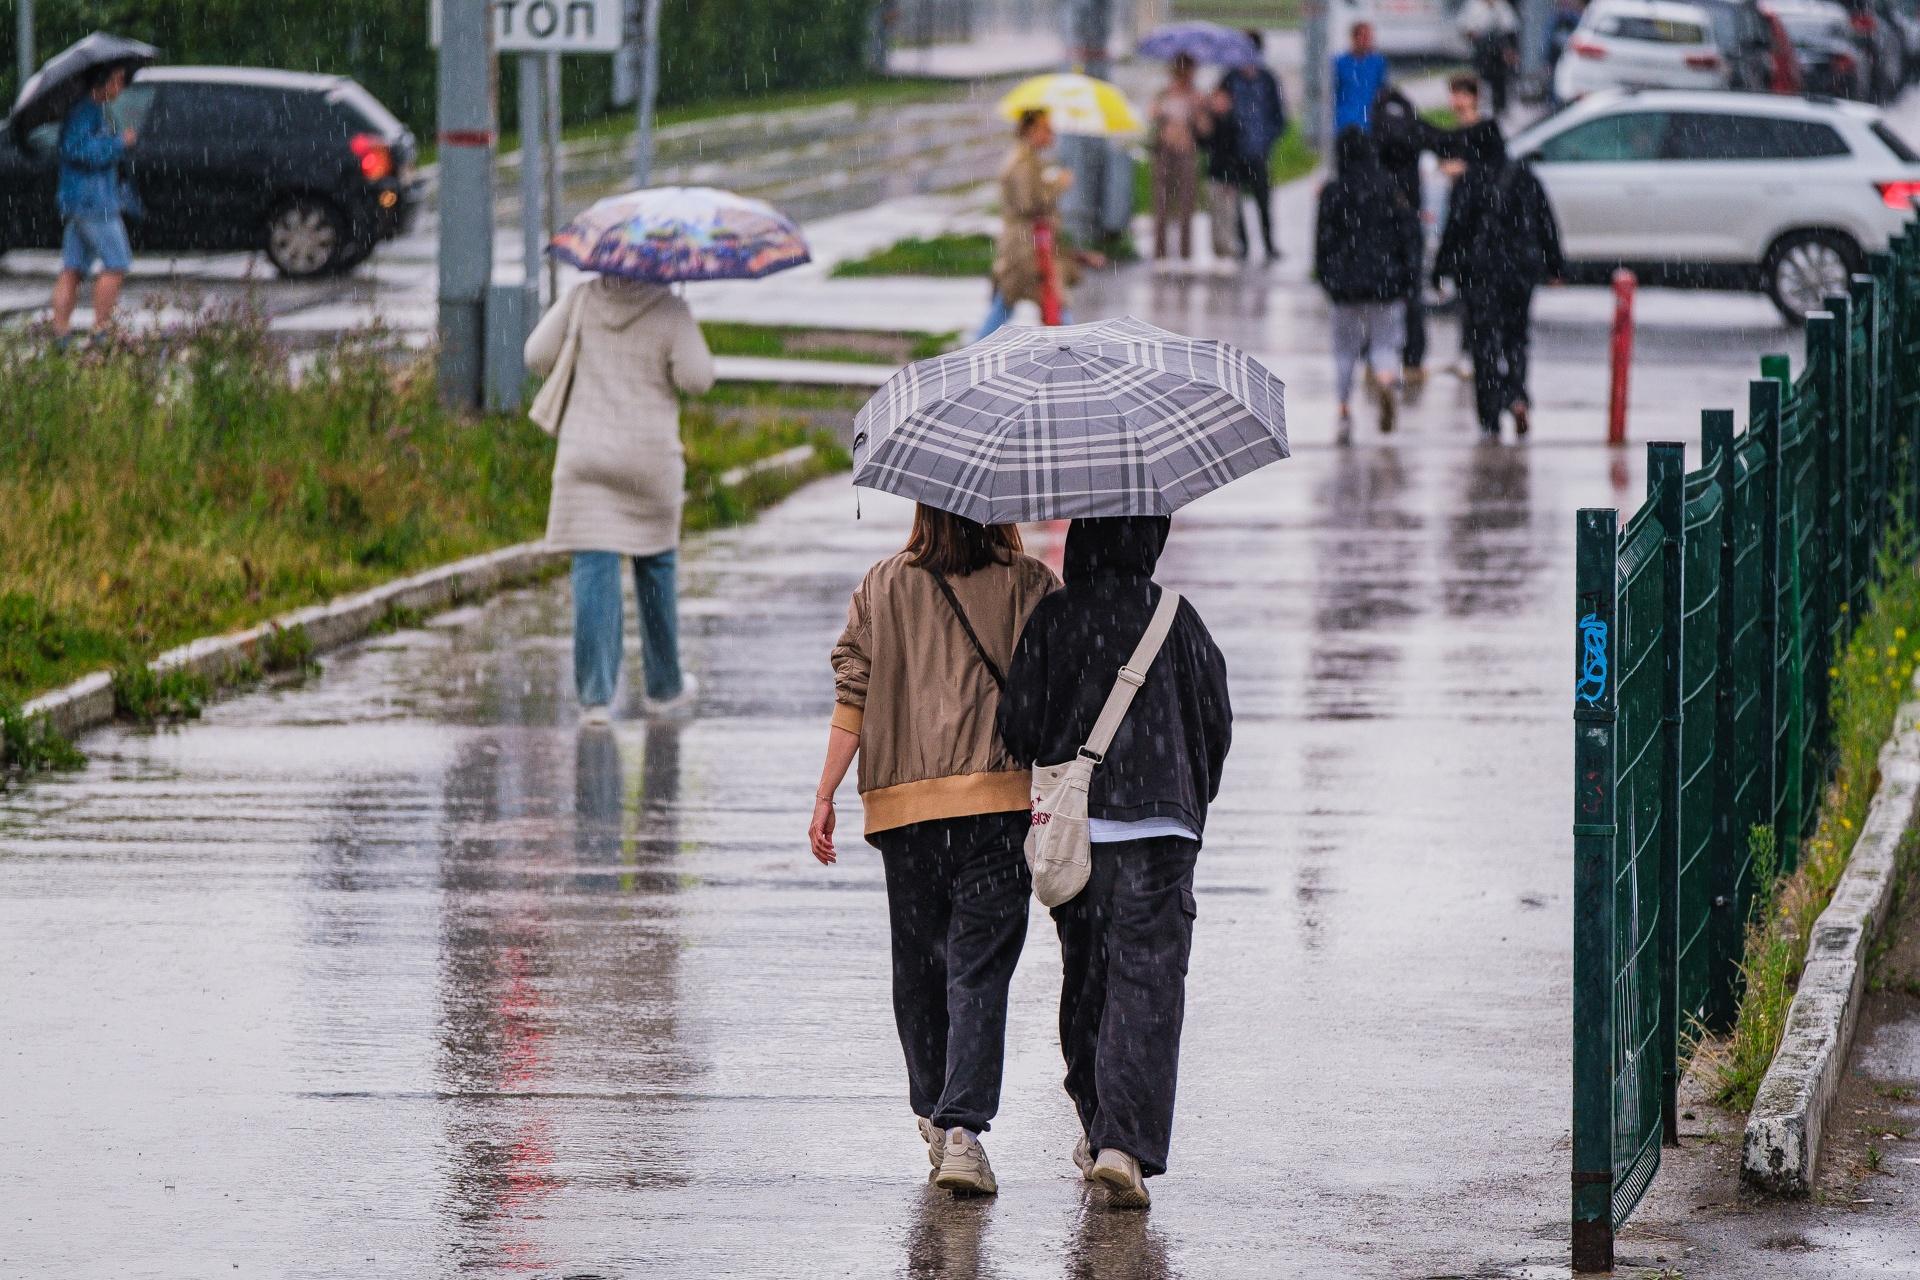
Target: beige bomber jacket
x,y
908,681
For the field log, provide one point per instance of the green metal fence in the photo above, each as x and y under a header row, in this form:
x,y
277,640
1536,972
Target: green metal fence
x,y
1706,628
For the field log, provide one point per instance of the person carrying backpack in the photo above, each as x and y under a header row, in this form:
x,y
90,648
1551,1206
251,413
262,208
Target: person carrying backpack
x,y
1125,936
1501,241
1365,257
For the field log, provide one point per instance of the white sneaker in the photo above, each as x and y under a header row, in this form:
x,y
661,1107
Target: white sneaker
x,y
680,703
1083,1158
1119,1173
963,1166
602,714
936,1140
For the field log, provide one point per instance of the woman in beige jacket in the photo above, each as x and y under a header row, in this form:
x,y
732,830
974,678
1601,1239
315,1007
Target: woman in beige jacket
x,y
619,477
917,677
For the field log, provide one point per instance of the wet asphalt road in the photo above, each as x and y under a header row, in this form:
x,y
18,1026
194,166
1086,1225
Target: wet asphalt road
x,y
402,972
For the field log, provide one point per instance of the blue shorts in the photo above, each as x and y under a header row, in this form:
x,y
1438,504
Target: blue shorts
x,y
91,236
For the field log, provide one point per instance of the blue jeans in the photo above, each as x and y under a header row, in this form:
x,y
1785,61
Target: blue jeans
x,y
597,620
999,311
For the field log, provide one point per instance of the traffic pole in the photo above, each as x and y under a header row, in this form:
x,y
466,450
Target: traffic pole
x,y
23,40
649,90
1622,355
466,196
533,127
552,125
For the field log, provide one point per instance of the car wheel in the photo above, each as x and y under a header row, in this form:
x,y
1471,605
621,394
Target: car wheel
x,y
1804,267
306,237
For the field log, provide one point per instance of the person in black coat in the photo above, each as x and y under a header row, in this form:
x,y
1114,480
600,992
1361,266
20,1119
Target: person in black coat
x,y
1500,243
1400,136
1365,257
1124,939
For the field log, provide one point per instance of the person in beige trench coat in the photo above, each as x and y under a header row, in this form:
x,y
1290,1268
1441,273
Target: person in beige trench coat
x,y
1029,198
619,475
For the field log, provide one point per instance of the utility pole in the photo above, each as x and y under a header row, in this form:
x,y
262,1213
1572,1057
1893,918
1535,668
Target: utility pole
x,y
23,39
1313,107
533,127
1536,25
553,167
649,90
1088,25
466,195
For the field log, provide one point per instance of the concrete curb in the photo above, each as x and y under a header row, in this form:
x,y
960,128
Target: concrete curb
x,y
88,701
1782,1142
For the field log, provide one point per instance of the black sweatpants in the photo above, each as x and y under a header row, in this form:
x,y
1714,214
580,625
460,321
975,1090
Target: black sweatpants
x,y
1499,325
1413,351
957,898
1124,941
1255,181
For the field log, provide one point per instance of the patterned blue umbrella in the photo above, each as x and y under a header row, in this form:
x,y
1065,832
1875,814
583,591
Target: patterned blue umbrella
x,y
1117,418
1202,41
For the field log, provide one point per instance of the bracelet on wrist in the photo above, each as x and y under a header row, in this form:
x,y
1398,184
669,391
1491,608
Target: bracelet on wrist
x,y
826,800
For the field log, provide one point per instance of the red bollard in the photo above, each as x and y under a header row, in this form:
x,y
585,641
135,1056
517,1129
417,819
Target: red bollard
x,y
1622,353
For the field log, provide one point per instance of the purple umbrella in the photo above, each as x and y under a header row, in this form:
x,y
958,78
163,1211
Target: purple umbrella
x,y
1202,41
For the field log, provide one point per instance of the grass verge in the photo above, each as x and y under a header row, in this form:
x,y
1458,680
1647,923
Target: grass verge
x,y
1872,679
187,484
943,255
845,346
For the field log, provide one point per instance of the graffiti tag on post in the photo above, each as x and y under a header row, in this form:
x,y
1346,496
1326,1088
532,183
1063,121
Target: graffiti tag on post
x,y
1592,685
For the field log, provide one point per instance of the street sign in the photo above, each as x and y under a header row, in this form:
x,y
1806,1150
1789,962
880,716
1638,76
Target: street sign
x,y
552,26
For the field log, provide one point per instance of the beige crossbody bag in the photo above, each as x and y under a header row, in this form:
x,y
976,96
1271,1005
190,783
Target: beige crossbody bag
x,y
1059,844
549,406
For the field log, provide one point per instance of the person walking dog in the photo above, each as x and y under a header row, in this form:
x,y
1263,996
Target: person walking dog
x,y
916,673
92,204
616,353
1124,937
1364,255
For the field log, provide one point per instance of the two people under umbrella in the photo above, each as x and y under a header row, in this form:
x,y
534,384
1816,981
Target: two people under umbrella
x,y
964,662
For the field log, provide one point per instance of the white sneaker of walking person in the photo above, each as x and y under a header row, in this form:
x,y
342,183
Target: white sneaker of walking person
x,y
1119,1173
680,703
1083,1158
936,1141
963,1166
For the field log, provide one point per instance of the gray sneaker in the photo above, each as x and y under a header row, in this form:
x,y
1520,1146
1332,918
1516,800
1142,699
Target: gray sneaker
x,y
1083,1158
1119,1173
936,1140
963,1166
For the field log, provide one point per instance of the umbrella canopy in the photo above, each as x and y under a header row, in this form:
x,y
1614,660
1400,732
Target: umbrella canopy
x,y
1202,41
1117,418
1076,104
50,92
666,234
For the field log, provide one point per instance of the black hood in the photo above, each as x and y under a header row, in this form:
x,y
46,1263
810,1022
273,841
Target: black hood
x,y
1127,545
1353,152
1483,143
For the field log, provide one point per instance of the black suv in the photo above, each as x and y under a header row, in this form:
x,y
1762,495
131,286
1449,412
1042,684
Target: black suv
x,y
310,168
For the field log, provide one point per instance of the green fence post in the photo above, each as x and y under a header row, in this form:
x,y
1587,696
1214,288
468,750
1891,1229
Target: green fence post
x,y
1596,552
1666,490
1863,368
1730,755
1880,268
1826,331
1764,401
1836,400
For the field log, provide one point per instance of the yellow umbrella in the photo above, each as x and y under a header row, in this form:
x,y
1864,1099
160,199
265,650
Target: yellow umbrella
x,y
1076,104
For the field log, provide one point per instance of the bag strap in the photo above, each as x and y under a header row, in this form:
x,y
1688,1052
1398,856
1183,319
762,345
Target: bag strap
x,y
993,669
1131,677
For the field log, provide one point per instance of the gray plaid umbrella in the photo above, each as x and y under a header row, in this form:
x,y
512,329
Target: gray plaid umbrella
x,y
1117,418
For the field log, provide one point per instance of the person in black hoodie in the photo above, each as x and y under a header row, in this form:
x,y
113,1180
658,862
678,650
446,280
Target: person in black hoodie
x,y
1364,256
1401,136
1124,939
1501,242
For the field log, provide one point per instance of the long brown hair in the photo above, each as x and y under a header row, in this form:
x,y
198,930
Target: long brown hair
x,y
955,546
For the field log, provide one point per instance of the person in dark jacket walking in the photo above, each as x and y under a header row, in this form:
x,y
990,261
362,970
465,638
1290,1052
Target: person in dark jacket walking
x,y
1401,136
1220,144
1260,120
1124,939
1364,257
1501,242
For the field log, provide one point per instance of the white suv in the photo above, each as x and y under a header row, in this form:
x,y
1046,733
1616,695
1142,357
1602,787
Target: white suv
x,y
1641,44
1723,190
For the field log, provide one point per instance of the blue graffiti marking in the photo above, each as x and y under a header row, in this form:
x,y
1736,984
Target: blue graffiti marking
x,y
1593,660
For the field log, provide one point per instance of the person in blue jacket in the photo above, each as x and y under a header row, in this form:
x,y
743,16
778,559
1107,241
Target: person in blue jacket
x,y
90,204
1358,76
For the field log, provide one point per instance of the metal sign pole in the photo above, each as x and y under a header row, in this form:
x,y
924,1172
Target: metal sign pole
x,y
23,39
553,166
466,195
533,127
649,90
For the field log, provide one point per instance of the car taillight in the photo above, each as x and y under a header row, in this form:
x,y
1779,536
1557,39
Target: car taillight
x,y
376,158
1587,48
1899,195
1863,23
1844,63
1703,61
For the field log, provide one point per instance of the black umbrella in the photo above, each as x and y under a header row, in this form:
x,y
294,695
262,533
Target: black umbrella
x,y
52,90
